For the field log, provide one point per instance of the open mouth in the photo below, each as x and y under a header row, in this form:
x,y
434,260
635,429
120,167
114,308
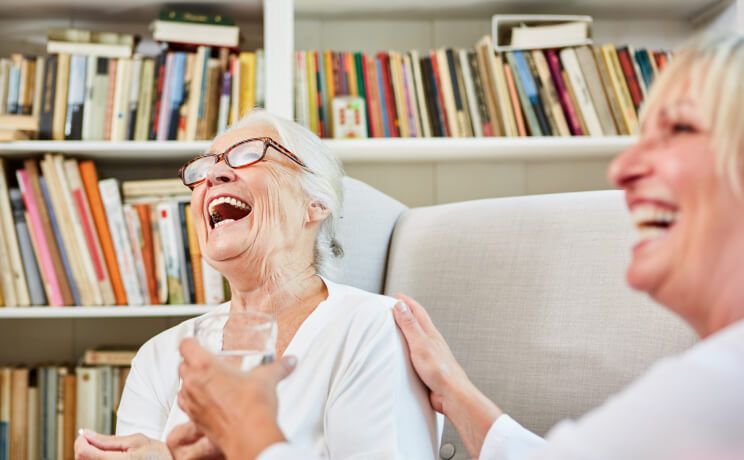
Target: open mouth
x,y
653,221
225,209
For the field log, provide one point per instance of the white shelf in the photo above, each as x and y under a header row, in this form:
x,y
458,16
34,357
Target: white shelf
x,y
103,312
354,151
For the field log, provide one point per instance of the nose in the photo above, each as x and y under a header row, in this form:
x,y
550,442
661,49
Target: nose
x,y
630,166
220,173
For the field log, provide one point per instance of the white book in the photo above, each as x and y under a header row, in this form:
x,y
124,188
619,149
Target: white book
x,y
90,49
85,216
203,34
9,240
87,401
584,99
106,398
133,97
302,109
121,94
410,89
82,254
470,93
134,228
89,111
420,96
109,189
141,129
175,259
214,288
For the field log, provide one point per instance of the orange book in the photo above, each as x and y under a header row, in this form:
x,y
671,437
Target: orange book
x,y
327,62
18,430
196,258
90,182
515,100
69,384
148,254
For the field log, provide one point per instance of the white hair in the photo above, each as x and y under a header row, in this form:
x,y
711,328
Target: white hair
x,y
713,64
323,184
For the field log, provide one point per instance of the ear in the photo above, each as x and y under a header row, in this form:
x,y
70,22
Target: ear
x,y
316,213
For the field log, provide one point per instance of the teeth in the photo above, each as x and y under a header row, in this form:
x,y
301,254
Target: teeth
x,y
223,222
228,200
645,215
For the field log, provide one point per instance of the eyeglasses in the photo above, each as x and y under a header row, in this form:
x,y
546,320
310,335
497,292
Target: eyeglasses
x,y
241,155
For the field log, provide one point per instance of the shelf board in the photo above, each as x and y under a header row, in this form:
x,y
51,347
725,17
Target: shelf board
x,y
103,312
378,150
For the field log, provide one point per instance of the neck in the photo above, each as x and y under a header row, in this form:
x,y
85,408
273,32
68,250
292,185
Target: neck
x,y
274,292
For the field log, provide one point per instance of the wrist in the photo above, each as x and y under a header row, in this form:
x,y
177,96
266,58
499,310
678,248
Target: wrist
x,y
241,447
472,414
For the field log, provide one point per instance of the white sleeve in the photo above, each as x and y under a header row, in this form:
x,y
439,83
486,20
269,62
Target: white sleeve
x,y
508,440
377,408
284,451
141,410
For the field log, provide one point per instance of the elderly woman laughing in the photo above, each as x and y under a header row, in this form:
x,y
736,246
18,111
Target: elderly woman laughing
x,y
266,199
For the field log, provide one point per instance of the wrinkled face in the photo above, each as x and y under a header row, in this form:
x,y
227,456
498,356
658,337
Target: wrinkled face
x,y
246,217
690,223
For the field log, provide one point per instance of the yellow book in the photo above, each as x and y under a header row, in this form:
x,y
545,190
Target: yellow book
x,y
330,89
312,89
396,75
247,81
620,88
60,97
196,257
351,72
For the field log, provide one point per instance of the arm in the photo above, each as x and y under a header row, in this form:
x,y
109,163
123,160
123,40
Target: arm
x,y
477,419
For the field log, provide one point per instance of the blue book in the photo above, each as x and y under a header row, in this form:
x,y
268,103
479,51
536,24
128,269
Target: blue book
x,y
527,88
647,72
4,442
381,93
58,239
323,92
14,87
30,266
176,93
76,98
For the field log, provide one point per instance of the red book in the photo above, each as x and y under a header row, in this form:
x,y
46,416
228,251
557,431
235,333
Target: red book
x,y
389,100
373,105
554,63
440,97
660,59
636,94
148,252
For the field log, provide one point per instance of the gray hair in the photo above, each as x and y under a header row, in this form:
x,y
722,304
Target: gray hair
x,y
323,184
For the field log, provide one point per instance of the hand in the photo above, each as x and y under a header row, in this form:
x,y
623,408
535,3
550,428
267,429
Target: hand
x,y
90,445
451,391
187,442
218,399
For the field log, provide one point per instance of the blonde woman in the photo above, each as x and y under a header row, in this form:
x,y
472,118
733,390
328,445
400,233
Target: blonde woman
x,y
683,182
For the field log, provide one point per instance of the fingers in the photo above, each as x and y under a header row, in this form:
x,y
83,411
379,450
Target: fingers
x,y
193,353
186,442
277,371
409,324
186,433
418,312
113,443
84,450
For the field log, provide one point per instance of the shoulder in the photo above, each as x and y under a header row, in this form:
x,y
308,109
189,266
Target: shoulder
x,y
362,309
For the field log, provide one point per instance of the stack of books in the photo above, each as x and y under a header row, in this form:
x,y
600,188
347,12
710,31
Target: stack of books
x,y
69,238
92,86
41,409
571,91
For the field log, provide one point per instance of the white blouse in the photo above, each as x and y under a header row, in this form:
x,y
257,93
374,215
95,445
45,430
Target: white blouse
x,y
353,393
687,407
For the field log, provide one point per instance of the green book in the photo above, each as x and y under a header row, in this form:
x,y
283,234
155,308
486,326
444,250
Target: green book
x,y
195,18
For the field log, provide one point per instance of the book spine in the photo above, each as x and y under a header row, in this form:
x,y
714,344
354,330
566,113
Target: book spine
x,y
133,97
560,86
47,99
187,273
623,55
136,240
109,190
581,92
170,238
31,268
75,98
518,117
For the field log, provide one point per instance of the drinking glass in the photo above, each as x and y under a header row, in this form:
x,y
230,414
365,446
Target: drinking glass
x,y
244,339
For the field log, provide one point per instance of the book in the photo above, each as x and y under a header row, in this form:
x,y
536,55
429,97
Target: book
x,y
550,35
60,97
581,91
13,276
551,98
5,401
18,413
148,255
170,237
620,89
109,191
527,93
89,178
31,268
109,356
518,117
585,58
572,118
136,238
75,98
195,34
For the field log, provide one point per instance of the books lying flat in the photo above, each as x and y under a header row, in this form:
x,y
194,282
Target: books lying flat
x,y
202,34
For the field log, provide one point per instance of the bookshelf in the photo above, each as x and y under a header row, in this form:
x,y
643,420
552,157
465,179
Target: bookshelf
x,y
416,171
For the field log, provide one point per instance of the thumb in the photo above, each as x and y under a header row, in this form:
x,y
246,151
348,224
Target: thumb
x,y
112,443
279,370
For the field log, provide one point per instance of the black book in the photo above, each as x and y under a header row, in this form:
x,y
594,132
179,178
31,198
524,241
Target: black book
x,y
187,252
427,75
48,92
453,78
